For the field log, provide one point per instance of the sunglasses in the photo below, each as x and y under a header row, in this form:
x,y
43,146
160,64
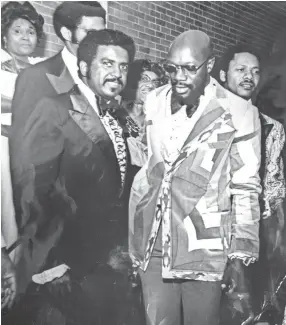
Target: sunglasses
x,y
187,69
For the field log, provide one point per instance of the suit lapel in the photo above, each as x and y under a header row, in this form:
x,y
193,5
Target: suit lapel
x,y
62,83
265,126
58,74
211,113
87,119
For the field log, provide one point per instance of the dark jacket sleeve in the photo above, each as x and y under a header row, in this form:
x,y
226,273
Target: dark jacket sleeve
x,y
30,88
37,180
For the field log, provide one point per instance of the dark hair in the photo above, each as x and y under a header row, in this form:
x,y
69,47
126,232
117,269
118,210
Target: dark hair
x,y
88,46
138,67
14,10
69,14
224,61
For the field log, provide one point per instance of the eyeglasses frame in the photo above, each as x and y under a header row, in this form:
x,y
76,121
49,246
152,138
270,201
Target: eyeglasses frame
x,y
185,71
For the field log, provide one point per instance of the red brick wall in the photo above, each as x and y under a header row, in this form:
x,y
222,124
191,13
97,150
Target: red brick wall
x,y
154,24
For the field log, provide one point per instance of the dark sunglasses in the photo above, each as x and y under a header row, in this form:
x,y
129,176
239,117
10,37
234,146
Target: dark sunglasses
x,y
187,69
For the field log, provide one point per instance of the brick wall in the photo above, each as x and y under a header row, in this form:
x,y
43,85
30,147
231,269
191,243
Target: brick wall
x,y
154,24
50,44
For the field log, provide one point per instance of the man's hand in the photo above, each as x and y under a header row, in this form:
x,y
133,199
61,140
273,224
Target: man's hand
x,y
236,285
9,283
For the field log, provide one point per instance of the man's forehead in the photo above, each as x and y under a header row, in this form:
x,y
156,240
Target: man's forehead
x,y
92,22
150,74
184,54
112,52
193,44
245,58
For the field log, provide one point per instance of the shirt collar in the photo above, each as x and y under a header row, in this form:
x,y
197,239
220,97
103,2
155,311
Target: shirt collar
x,y
70,61
210,88
89,94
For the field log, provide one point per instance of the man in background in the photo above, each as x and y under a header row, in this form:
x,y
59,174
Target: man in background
x,y
239,72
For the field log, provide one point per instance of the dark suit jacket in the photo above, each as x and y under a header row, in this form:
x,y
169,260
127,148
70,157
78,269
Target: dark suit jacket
x,y
71,184
47,78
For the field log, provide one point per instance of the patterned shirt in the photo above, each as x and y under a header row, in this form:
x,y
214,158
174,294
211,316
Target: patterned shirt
x,y
113,129
273,180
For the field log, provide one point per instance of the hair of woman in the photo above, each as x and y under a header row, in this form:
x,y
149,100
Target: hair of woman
x,y
14,10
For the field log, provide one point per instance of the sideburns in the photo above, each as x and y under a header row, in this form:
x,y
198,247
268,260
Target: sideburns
x,y
74,39
88,74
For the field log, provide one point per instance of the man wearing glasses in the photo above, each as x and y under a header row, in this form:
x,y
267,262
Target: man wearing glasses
x,y
194,208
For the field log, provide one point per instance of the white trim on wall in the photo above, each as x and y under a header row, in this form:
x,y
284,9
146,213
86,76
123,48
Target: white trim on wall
x,y
105,6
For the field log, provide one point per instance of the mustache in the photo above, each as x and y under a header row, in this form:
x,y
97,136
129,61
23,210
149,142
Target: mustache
x,y
248,82
178,83
113,80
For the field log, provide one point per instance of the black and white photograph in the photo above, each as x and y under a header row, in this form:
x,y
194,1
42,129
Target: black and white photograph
x,y
143,162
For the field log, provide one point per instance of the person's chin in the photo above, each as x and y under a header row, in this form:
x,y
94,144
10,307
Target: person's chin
x,y
112,92
27,51
246,94
182,92
182,95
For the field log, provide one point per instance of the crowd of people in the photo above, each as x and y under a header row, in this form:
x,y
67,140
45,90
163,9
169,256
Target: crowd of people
x,y
136,192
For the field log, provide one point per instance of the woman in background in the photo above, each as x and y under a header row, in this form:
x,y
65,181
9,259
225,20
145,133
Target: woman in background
x,y
143,77
22,28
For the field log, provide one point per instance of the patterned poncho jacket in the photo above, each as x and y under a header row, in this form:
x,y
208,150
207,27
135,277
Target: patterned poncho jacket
x,y
207,201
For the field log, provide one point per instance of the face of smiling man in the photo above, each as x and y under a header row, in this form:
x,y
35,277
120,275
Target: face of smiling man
x,y
107,74
243,75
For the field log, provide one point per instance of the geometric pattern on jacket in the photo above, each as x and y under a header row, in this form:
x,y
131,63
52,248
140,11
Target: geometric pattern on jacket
x,y
207,202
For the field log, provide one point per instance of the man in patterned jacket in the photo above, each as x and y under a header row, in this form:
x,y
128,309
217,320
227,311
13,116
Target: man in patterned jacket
x,y
194,211
240,73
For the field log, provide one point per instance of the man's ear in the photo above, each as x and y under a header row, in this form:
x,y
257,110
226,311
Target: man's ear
x,y
83,68
210,64
222,76
66,34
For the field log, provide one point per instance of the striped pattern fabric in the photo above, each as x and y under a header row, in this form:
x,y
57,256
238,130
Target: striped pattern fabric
x,y
117,138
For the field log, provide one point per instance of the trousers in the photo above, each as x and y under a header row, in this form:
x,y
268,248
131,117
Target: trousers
x,y
175,302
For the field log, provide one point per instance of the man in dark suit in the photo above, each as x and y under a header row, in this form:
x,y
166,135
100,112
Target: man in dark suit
x,y
58,74
75,178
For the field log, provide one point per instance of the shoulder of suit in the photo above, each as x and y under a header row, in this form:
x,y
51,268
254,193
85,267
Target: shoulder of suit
x,y
276,124
42,66
239,108
58,105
